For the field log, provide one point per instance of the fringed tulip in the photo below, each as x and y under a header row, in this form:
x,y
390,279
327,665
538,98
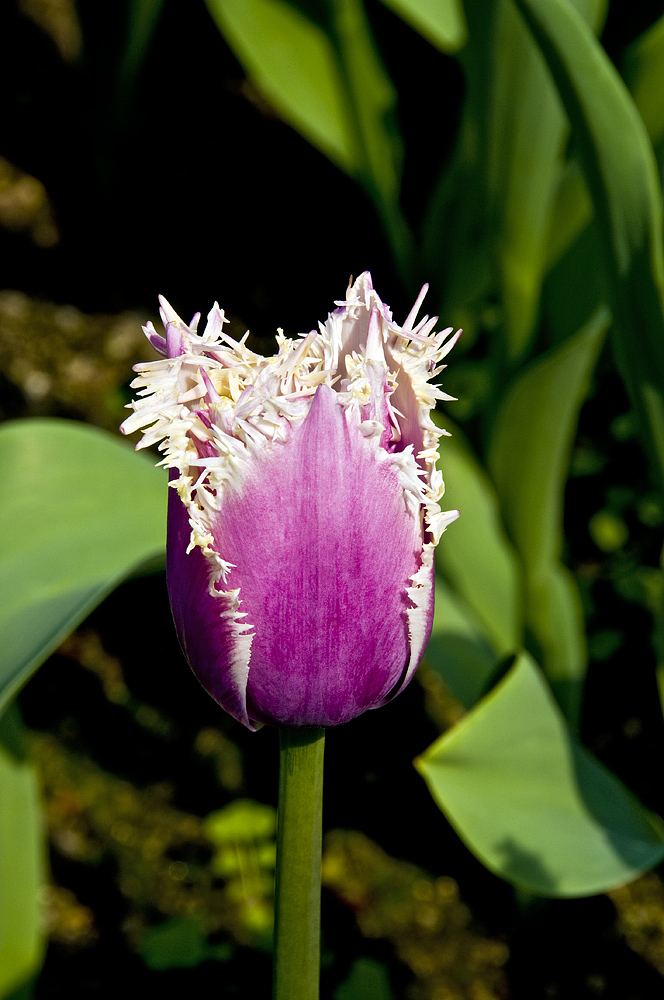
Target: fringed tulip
x,y
304,506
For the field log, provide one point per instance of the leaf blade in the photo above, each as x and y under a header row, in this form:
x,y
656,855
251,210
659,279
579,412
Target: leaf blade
x,y
622,174
21,874
89,511
475,556
528,460
531,802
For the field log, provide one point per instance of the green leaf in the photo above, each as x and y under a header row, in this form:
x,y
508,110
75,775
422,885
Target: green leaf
x,y
22,855
520,132
180,943
144,17
577,282
644,75
643,72
531,803
529,460
318,66
524,165
367,980
475,555
242,820
441,22
79,510
620,167
293,62
458,649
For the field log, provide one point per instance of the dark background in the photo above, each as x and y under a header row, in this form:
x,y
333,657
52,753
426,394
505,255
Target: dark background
x,y
188,185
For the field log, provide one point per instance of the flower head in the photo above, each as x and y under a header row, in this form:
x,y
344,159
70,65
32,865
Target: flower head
x,y
304,505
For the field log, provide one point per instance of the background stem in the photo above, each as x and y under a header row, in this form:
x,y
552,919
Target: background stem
x,y
299,843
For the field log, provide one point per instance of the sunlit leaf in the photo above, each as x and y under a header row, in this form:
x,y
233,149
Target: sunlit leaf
x,y
532,804
79,510
441,22
22,857
529,461
293,62
620,167
318,66
475,555
242,820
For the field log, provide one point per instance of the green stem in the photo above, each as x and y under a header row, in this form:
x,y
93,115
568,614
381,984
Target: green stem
x,y
299,841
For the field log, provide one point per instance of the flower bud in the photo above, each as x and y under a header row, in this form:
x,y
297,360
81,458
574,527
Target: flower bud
x,y
304,506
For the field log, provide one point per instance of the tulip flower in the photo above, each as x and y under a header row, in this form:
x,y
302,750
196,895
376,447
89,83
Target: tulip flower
x,y
304,506
303,514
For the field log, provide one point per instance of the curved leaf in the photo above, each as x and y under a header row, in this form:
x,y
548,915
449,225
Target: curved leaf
x,y
293,62
318,66
476,557
520,130
644,75
22,856
529,460
79,510
620,167
458,649
441,22
532,804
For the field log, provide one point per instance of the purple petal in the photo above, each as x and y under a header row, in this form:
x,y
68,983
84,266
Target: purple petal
x,y
324,550
205,624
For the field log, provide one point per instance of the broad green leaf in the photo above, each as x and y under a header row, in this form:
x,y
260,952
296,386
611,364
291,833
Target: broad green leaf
x,y
441,22
22,862
529,460
475,555
532,804
622,174
79,510
458,649
318,66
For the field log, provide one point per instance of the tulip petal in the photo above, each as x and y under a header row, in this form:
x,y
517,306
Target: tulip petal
x,y
212,640
324,548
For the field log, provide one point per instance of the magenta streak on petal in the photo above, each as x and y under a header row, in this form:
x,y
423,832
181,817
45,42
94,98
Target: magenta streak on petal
x,y
207,638
157,341
174,341
324,549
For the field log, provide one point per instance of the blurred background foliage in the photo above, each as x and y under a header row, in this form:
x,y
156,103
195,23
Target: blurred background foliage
x,y
508,152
